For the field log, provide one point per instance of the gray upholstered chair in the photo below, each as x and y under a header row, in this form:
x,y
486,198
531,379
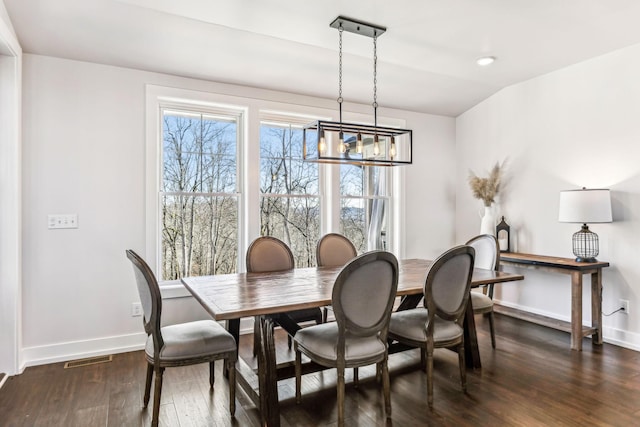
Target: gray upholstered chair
x,y
183,344
334,250
440,322
266,254
358,337
487,257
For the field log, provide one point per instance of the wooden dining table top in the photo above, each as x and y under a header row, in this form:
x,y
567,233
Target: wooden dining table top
x,y
232,296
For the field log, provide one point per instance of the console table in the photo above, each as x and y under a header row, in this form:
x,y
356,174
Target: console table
x,y
576,270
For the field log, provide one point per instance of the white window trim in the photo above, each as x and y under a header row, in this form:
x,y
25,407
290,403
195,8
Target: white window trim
x,y
157,99
255,111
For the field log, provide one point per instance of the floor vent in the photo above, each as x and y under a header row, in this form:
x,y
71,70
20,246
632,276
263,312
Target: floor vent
x,y
88,361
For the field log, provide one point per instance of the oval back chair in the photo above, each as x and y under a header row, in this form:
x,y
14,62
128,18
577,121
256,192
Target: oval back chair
x,y
362,298
267,254
202,341
440,322
487,257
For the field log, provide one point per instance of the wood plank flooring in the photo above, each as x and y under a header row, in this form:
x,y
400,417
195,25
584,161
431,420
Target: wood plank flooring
x,y
532,378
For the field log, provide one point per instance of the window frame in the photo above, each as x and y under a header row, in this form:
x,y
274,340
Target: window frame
x,y
284,120
158,100
255,110
202,113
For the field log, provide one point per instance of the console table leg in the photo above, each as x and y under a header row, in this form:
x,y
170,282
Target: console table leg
x,y
596,306
576,310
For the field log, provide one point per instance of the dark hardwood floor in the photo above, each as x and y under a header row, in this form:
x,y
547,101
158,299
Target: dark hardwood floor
x,y
530,379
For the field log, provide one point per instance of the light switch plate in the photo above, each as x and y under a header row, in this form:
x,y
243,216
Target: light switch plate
x,y
63,221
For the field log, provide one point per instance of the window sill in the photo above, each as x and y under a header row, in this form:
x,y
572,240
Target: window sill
x,y
173,289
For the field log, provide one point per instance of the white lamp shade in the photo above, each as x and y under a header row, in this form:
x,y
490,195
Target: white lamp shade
x,y
585,206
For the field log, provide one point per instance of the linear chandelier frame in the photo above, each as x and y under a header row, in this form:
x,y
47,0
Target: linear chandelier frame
x,y
354,143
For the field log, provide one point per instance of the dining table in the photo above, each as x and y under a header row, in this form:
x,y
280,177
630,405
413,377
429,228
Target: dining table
x,y
269,296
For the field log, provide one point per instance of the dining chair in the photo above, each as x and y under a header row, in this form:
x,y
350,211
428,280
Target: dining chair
x,y
334,250
439,324
358,337
487,257
203,341
266,254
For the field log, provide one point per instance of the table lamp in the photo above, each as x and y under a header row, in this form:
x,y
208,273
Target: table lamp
x,y
585,206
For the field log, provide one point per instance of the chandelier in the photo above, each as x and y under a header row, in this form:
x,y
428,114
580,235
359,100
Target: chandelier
x,y
354,143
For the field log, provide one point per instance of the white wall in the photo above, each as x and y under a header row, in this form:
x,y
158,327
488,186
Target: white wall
x,y
571,128
84,153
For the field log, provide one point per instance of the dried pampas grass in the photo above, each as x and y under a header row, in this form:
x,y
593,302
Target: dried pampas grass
x,y
486,189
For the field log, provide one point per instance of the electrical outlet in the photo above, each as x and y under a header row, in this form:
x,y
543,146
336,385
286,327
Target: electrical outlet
x,y
136,309
624,304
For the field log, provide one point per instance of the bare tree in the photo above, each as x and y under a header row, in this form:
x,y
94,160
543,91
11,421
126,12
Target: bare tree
x,y
199,206
289,207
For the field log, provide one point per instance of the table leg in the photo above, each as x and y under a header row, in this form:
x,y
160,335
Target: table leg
x,y
409,301
287,323
233,326
596,306
471,350
576,310
267,375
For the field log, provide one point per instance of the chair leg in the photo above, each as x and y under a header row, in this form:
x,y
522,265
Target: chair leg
x,y
298,368
423,359
231,368
463,367
492,330
147,386
340,386
325,314
430,376
386,388
356,377
212,375
156,397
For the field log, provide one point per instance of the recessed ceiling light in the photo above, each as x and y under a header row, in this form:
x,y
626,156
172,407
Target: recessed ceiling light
x,y
485,60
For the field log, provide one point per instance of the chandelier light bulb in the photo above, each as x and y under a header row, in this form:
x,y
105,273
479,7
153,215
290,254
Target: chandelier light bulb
x,y
342,148
322,145
392,149
376,146
359,146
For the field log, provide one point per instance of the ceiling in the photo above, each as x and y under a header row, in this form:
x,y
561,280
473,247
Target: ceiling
x,y
426,59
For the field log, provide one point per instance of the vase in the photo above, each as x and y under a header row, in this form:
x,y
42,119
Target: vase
x,y
488,223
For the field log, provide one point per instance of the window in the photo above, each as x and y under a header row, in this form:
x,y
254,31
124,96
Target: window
x,y
289,191
222,170
199,193
364,206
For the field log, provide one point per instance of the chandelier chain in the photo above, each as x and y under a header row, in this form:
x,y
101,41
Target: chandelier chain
x,y
375,78
340,30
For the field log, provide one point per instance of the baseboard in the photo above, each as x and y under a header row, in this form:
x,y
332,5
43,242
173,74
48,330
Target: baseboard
x,y
621,338
62,352
610,335
3,378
